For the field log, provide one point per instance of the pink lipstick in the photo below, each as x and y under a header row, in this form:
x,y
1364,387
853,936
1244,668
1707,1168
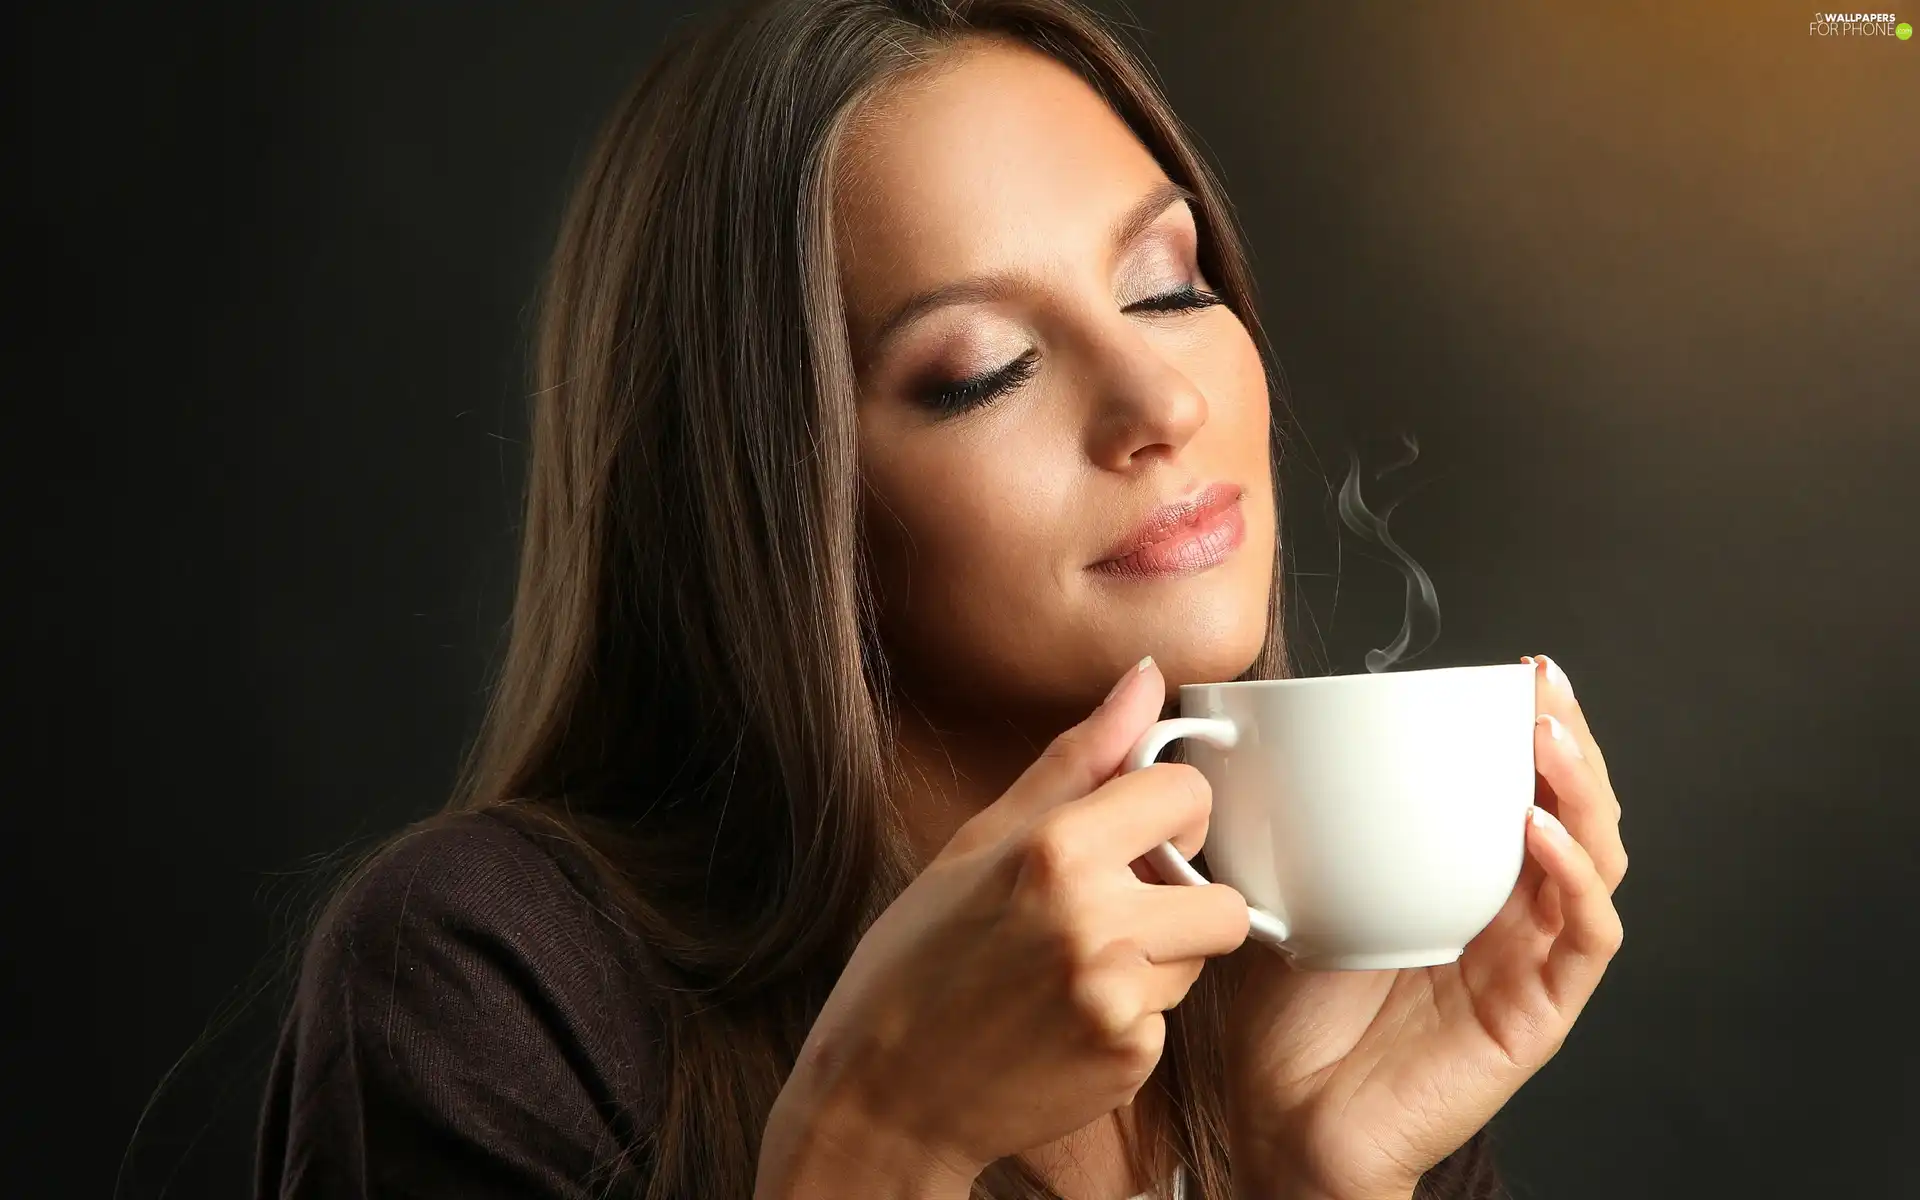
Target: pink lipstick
x,y
1181,538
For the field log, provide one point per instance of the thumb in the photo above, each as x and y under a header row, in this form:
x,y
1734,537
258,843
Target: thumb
x,y
1088,754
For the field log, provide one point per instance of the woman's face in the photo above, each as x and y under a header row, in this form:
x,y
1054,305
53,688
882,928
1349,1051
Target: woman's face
x,y
1040,369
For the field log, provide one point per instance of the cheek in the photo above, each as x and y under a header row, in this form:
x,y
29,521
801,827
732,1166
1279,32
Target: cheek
x,y
1227,369
1223,624
1223,363
968,535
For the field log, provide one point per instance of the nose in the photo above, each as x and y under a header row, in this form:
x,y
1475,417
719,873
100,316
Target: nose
x,y
1143,403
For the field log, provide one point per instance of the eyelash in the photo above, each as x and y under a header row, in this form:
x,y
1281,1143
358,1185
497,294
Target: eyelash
x,y
972,393
1184,298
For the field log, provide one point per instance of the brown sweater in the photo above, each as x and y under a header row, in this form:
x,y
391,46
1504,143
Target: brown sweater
x,y
462,1026
466,1024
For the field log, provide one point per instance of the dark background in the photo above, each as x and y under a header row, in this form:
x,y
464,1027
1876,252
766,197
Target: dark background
x,y
1643,280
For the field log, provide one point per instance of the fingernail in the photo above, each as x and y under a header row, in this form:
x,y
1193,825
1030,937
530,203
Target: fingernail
x,y
1557,676
1559,732
1121,686
1549,824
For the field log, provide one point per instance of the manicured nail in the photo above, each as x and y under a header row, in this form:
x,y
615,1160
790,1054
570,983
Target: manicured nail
x,y
1549,824
1557,676
1560,734
1120,686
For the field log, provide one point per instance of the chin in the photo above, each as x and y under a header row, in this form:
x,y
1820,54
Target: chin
x,y
1208,643
1204,663
1209,634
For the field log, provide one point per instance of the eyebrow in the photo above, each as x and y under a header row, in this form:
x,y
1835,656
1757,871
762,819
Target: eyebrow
x,y
1000,284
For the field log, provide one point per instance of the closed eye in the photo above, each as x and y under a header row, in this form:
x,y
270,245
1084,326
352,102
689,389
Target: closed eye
x,y
971,393
1184,298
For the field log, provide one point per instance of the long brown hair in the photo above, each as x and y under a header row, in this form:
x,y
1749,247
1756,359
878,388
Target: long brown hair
x,y
692,695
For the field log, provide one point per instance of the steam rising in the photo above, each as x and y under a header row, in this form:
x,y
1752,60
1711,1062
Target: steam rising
x,y
1420,594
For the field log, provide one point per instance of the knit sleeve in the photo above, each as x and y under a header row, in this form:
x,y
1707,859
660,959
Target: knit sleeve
x,y
464,1024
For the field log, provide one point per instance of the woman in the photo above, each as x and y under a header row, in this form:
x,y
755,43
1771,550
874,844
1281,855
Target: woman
x,y
877,332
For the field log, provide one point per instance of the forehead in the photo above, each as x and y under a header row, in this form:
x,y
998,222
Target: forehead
x,y
998,157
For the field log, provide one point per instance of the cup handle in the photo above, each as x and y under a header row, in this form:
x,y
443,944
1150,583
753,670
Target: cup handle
x,y
1224,734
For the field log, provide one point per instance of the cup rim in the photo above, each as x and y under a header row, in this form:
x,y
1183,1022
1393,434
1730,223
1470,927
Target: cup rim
x,y
1353,679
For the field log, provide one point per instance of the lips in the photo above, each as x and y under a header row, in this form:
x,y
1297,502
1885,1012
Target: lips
x,y
1181,537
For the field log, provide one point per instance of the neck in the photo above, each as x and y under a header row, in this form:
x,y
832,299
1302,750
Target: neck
x,y
953,764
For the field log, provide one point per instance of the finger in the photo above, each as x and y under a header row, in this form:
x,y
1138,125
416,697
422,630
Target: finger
x,y
1553,692
1168,983
1526,925
1520,915
1590,931
1186,843
1582,800
1083,757
1127,988
1128,816
1173,922
1122,989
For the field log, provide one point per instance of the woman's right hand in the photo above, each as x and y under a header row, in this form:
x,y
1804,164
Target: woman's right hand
x,y
1014,992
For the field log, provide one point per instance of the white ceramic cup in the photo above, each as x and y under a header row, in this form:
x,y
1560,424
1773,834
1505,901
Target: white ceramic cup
x,y
1371,821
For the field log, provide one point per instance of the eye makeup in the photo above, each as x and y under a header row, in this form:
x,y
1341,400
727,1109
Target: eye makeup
x,y
962,395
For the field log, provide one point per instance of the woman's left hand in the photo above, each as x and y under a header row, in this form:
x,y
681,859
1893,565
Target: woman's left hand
x,y
1349,1085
